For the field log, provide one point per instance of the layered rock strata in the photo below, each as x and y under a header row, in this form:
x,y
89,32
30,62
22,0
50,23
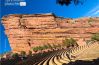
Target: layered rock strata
x,y
28,30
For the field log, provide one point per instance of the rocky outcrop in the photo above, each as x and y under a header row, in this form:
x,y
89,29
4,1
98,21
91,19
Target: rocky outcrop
x,y
28,30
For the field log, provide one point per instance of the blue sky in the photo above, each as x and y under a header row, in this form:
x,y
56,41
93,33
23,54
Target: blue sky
x,y
89,8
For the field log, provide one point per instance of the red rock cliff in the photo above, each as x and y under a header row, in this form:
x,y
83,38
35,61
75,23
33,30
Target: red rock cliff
x,y
26,31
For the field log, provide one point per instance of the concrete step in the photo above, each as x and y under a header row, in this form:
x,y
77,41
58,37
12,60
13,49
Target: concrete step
x,y
57,61
62,60
51,62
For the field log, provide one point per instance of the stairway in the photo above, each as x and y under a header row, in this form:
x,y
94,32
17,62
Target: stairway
x,y
85,52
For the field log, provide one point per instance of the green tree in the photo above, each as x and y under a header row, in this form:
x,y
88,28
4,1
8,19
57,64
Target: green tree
x,y
40,48
68,2
1,56
73,42
45,46
30,53
35,49
15,55
66,42
23,53
70,42
95,37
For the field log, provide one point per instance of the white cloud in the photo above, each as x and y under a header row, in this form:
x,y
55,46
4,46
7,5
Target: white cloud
x,y
93,12
97,12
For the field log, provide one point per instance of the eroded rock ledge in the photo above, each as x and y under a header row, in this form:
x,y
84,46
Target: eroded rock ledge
x,y
28,30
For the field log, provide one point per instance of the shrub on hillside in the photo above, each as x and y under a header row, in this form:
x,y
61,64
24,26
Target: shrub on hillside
x,y
30,53
95,37
15,55
23,53
70,42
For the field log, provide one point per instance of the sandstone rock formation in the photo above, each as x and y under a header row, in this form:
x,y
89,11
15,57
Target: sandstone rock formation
x,y
28,30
